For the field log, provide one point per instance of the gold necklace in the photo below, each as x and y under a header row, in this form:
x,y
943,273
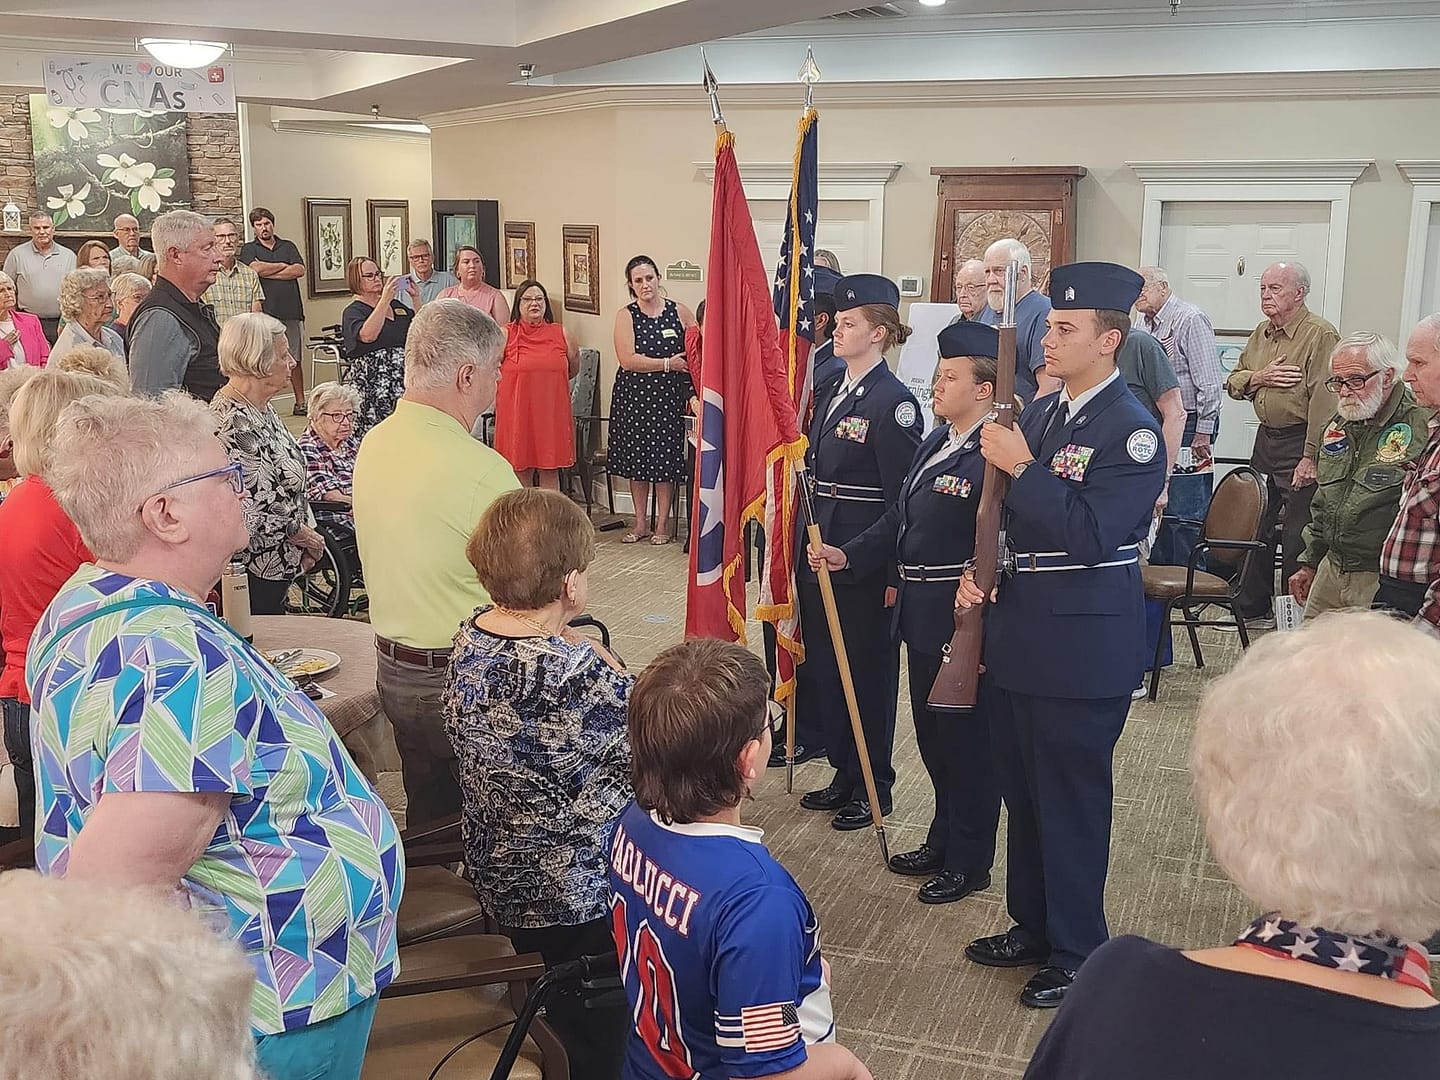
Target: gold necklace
x,y
545,631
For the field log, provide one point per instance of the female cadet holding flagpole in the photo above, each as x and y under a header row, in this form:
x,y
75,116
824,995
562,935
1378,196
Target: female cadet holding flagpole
x,y
865,429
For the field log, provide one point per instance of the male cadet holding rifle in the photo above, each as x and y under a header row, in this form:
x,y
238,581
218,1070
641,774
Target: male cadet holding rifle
x,y
1065,638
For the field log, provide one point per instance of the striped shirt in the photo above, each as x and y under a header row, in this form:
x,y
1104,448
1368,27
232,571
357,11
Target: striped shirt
x,y
235,291
1412,549
1189,340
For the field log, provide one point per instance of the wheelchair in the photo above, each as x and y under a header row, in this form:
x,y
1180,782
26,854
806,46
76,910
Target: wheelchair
x,y
334,587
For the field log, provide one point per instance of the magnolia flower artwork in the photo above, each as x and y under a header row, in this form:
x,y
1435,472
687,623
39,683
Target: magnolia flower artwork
x,y
91,165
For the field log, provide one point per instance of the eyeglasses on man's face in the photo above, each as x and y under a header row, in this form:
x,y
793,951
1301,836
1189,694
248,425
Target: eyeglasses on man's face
x,y
232,473
1350,382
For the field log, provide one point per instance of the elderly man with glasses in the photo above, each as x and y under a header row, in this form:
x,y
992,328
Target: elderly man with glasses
x,y
1379,430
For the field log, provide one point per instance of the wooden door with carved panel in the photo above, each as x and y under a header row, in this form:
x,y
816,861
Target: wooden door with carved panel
x,y
1034,204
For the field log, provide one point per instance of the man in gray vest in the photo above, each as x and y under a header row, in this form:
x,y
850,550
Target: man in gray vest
x,y
174,339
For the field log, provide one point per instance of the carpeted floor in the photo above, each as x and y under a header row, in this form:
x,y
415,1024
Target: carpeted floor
x,y
906,1000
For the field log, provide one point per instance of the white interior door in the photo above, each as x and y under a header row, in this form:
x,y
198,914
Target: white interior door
x,y
843,227
1430,272
1215,252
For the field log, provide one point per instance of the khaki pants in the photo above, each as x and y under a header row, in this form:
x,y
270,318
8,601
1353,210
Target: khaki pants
x,y
1332,590
410,696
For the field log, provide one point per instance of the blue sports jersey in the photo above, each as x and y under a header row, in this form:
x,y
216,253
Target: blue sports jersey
x,y
719,950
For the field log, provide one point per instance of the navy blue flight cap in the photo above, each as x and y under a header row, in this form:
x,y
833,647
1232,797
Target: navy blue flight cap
x,y
1094,286
825,281
854,290
970,339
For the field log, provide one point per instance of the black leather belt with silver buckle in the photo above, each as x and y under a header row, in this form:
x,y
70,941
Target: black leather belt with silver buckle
x,y
403,654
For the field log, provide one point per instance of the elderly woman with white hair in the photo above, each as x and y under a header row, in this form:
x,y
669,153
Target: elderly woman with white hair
x,y
40,548
329,444
255,358
86,305
1315,766
129,290
11,379
22,338
171,755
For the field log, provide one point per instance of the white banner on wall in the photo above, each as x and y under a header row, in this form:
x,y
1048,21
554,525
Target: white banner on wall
x,y
920,354
137,82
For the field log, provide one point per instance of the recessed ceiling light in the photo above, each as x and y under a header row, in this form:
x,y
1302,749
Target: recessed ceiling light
x,y
177,52
932,3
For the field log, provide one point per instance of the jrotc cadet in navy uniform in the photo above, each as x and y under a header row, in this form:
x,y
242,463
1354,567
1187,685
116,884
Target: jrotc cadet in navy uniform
x,y
864,432
1064,641
931,530
825,364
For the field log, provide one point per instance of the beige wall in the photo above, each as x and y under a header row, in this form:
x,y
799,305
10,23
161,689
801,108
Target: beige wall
x,y
287,167
630,170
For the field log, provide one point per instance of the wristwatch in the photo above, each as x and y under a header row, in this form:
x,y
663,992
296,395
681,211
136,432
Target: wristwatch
x,y
1019,469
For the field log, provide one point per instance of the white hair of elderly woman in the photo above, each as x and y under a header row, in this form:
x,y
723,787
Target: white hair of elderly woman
x,y
178,229
11,379
35,411
1316,765
101,983
326,394
111,454
97,361
74,286
128,285
444,337
248,345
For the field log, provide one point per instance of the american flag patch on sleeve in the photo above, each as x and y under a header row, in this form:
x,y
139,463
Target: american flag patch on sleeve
x,y
763,1028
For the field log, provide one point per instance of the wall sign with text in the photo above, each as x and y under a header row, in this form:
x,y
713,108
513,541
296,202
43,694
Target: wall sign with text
x,y
137,82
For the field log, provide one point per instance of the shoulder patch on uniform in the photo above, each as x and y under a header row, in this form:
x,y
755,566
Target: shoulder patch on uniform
x,y
1142,445
906,414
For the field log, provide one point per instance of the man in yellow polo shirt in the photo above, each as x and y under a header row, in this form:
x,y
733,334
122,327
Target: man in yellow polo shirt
x,y
421,484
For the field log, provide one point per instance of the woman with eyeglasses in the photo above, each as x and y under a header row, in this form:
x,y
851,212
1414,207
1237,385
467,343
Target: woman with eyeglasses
x,y
255,358
171,756
40,548
329,444
534,429
87,306
375,327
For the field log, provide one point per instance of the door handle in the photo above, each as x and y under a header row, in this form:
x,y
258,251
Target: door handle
x,y
1240,266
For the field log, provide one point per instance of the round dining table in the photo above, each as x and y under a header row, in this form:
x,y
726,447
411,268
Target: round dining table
x,y
355,711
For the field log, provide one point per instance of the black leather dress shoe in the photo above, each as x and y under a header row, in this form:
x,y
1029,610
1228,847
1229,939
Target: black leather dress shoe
x,y
856,815
1047,988
951,886
921,862
831,797
1007,950
803,753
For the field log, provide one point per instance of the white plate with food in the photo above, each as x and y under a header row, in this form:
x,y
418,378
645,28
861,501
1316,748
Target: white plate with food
x,y
305,663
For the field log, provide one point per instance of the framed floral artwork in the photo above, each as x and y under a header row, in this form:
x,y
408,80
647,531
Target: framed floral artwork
x,y
582,268
389,233
329,245
92,165
519,252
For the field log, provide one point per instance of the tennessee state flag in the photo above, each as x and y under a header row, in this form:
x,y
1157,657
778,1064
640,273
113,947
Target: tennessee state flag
x,y
747,414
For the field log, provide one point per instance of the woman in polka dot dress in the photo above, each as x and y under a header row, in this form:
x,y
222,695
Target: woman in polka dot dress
x,y
652,392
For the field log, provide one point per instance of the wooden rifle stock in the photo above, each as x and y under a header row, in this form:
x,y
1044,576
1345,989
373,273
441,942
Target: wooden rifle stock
x,y
958,683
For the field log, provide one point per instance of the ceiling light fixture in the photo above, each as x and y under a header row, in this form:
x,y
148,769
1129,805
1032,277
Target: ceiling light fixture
x,y
932,3
180,53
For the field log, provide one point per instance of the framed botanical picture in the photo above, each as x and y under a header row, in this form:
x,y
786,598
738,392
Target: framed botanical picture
x,y
519,252
389,233
582,268
328,245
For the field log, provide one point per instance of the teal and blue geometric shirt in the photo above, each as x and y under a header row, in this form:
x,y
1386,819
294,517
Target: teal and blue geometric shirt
x,y
305,869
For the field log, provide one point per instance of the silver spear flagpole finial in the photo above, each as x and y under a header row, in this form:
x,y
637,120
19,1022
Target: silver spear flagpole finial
x,y
713,89
809,75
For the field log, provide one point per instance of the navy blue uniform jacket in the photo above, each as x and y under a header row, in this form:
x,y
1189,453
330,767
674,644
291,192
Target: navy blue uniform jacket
x,y
1085,502
867,446
931,525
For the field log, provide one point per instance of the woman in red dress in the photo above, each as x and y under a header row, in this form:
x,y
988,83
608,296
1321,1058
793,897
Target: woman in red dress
x,y
534,428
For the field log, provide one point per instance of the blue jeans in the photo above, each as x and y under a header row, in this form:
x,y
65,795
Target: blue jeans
x,y
1189,498
333,1049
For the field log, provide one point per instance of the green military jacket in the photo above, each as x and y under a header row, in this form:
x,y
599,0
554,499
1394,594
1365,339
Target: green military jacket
x,y
1359,471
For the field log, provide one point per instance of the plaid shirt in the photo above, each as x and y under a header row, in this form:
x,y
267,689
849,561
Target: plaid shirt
x,y
1412,550
235,291
326,469
1189,342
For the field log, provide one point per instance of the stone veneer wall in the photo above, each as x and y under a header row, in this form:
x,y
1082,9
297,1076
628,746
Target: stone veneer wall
x,y
214,141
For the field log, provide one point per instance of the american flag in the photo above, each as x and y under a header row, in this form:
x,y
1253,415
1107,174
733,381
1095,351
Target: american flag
x,y
770,1027
795,311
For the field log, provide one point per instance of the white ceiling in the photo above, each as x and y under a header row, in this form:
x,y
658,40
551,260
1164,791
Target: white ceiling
x,y
420,60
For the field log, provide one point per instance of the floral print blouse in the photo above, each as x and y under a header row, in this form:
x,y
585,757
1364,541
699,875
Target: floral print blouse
x,y
275,504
